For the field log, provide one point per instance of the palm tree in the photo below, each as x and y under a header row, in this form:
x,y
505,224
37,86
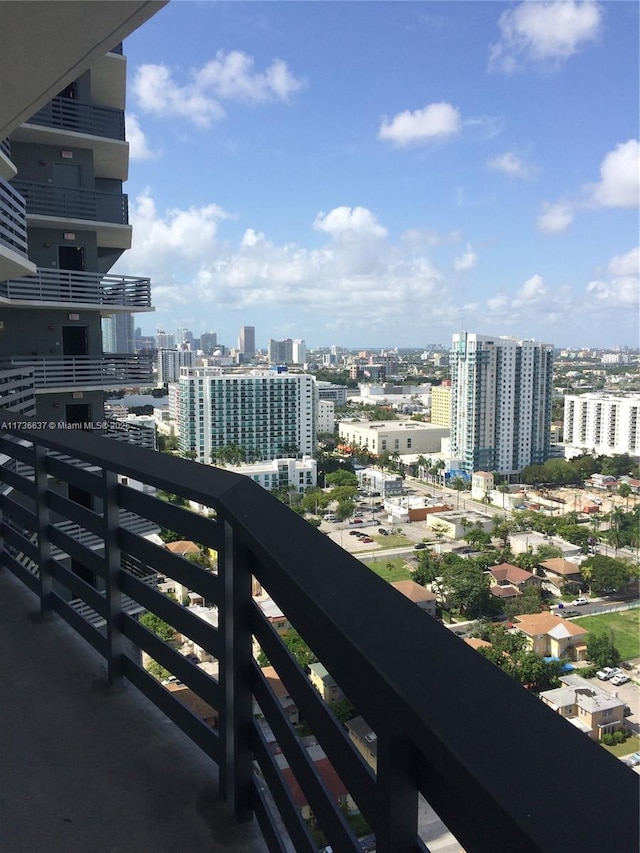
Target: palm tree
x,y
422,466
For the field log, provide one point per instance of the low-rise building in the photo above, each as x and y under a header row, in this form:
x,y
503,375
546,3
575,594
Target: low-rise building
x,y
586,706
530,540
364,739
561,572
454,522
424,599
324,683
508,581
271,474
282,695
393,436
550,636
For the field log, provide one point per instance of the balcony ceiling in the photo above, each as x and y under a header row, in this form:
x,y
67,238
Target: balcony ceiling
x,y
110,156
67,36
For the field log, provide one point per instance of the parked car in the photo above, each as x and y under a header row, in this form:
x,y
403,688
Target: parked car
x,y
605,673
353,533
366,539
383,532
419,545
619,679
578,602
567,614
356,521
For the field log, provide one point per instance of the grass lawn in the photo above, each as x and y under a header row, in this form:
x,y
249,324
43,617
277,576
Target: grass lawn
x,y
624,625
390,570
393,540
630,745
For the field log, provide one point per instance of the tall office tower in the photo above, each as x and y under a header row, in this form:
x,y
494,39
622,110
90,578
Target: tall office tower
x,y
501,392
165,340
247,340
64,215
280,352
170,361
118,333
299,352
268,414
208,342
606,424
185,336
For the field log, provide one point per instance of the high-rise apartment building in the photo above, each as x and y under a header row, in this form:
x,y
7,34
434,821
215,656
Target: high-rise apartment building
x,y
62,166
299,352
606,424
170,361
280,352
501,392
247,340
118,333
268,414
441,404
165,340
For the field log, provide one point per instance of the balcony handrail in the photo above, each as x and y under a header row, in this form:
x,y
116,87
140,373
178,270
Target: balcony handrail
x,y
487,755
109,370
92,288
13,219
98,206
73,115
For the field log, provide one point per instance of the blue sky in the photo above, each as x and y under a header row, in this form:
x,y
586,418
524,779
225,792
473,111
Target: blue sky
x,y
387,173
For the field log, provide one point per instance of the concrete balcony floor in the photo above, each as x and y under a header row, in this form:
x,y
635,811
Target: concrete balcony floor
x,y
89,766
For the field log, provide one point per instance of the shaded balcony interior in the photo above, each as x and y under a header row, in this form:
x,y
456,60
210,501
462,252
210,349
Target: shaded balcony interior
x,y
448,725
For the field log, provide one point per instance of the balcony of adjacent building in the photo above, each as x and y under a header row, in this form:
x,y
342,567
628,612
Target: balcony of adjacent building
x,y
64,288
14,258
67,208
500,771
68,123
85,372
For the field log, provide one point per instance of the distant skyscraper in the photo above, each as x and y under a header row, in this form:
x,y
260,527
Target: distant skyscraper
x,y
170,361
208,342
185,336
500,402
299,352
247,340
165,340
117,333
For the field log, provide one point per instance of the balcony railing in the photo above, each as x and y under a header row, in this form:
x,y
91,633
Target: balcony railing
x,y
45,200
72,115
501,769
13,220
68,286
114,370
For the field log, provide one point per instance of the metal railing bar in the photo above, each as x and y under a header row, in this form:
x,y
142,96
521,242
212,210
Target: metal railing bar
x,y
79,624
295,825
180,519
80,588
64,469
327,813
196,729
29,580
179,617
326,728
75,512
267,820
92,560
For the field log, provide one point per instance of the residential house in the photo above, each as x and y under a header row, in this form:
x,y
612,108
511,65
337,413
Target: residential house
x,y
586,706
550,636
509,581
282,695
418,594
324,683
364,739
561,572
330,779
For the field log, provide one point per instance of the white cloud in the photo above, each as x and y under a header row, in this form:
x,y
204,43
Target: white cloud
x,y
621,287
466,261
532,291
230,76
623,265
421,238
555,218
511,165
619,177
138,145
543,32
435,121
349,222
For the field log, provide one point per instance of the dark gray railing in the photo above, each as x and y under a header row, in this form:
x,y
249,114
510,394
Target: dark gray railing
x,y
89,288
502,770
46,200
17,389
72,115
5,146
113,370
13,219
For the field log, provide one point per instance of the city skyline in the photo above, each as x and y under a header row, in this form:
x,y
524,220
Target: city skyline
x,y
388,174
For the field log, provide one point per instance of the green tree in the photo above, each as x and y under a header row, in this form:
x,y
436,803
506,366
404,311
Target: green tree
x,y
602,573
157,626
344,510
342,478
601,650
298,648
465,586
